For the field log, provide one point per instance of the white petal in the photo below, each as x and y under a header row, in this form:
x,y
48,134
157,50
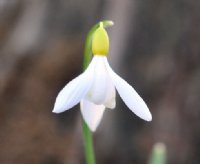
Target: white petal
x,y
92,114
130,96
74,91
102,90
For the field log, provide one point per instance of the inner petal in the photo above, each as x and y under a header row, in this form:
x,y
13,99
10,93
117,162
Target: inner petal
x,y
102,90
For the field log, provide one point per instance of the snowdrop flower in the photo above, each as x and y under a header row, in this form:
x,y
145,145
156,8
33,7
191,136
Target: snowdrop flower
x,y
95,88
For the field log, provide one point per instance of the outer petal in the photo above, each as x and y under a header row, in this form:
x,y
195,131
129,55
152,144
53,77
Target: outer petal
x,y
92,113
130,96
74,91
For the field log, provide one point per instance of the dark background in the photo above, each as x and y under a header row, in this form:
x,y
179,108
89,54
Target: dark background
x,y
155,46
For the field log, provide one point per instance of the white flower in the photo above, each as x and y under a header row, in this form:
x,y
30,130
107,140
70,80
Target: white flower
x,y
95,89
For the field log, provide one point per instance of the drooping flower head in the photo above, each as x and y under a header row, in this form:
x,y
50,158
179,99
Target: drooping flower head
x,y
96,87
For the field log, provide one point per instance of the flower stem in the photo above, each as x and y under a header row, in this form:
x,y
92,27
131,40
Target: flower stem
x,y
87,136
88,143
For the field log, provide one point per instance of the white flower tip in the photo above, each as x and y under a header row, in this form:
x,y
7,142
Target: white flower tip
x,y
147,117
92,127
55,111
95,119
58,109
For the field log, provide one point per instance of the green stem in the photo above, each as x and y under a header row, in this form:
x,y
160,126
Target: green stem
x,y
87,136
88,143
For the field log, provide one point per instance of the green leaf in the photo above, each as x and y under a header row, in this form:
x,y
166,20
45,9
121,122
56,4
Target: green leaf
x,y
158,155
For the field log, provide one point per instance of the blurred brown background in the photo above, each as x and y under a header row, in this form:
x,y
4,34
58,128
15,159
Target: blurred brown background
x,y
155,46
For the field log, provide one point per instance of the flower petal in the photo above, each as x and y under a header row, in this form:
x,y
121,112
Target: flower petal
x,y
130,96
74,91
102,90
92,113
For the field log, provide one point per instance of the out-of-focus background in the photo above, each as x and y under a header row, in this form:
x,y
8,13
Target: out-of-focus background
x,y
155,46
